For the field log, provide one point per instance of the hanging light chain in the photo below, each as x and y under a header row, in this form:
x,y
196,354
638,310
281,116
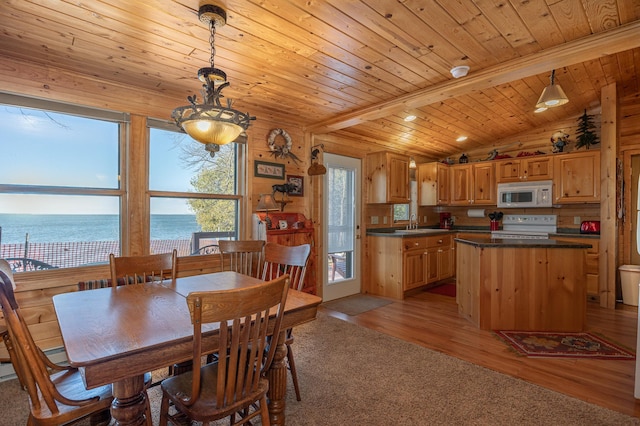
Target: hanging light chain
x,y
212,37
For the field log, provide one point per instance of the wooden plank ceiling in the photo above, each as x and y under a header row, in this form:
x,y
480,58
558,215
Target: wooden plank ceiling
x,y
353,67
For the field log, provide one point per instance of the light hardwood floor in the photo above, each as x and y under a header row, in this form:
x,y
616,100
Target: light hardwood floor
x,y
432,321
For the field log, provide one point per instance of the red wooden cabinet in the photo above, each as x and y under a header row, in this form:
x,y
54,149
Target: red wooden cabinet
x,y
298,231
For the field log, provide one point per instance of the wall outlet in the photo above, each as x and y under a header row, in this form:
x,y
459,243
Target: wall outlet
x,y
374,220
384,220
424,219
576,220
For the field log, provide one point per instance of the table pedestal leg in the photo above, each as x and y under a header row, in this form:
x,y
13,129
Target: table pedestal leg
x,y
129,403
277,376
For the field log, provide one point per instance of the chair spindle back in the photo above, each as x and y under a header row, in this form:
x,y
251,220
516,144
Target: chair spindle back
x,y
291,260
244,256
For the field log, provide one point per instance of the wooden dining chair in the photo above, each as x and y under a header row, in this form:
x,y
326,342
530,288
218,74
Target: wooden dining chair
x,y
8,344
291,260
144,268
56,393
236,383
244,256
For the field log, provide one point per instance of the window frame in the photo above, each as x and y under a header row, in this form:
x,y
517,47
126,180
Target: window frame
x,y
123,120
238,197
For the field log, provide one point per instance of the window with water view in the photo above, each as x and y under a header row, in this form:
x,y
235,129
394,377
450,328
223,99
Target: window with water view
x,y
61,196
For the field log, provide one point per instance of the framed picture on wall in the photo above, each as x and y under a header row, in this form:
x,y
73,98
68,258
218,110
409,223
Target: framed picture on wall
x,y
269,170
297,183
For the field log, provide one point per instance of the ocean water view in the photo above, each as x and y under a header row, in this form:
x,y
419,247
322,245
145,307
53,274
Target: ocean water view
x,y
76,228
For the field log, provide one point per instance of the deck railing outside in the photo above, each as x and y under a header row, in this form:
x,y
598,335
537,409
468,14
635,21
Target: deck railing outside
x,y
34,256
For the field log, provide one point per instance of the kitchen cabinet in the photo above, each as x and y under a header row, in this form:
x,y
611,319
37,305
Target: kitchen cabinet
x,y
593,256
387,178
415,269
398,265
433,184
576,177
473,184
524,169
439,258
528,286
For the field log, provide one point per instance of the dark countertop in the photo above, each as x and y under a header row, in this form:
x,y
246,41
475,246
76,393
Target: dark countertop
x,y
488,242
423,232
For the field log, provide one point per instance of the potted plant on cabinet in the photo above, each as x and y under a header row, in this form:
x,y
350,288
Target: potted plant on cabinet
x,y
585,135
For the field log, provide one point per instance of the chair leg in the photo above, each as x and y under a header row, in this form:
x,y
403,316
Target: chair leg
x,y
164,410
264,412
294,373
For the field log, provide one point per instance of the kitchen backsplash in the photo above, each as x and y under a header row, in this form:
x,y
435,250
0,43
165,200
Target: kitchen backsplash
x,y
569,217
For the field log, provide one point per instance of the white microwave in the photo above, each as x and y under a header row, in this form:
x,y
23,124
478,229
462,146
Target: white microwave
x,y
525,194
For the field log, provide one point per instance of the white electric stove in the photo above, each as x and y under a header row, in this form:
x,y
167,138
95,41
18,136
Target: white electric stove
x,y
527,226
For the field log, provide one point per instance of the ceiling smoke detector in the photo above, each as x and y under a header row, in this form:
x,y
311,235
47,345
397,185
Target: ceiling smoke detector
x,y
459,71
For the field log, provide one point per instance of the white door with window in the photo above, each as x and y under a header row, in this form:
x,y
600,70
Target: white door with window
x,y
341,257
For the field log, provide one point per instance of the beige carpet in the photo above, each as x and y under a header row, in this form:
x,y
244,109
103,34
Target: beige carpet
x,y
356,304
351,375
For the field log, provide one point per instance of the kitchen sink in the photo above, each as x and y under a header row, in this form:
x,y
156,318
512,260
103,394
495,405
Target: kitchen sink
x,y
419,231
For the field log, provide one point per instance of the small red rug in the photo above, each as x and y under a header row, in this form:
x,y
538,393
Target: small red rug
x,y
564,345
447,289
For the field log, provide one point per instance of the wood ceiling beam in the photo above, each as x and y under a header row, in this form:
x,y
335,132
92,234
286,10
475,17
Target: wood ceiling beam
x,y
585,49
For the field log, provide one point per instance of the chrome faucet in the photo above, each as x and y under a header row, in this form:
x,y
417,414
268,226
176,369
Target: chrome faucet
x,y
413,222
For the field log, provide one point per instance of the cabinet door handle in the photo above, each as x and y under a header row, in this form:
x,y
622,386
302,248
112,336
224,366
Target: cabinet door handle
x,y
439,250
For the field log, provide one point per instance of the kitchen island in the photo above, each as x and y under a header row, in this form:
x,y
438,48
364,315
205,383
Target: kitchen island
x,y
520,284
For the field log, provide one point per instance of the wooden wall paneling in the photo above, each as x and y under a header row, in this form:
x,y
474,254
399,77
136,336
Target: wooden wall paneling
x,y
136,204
31,79
608,204
315,185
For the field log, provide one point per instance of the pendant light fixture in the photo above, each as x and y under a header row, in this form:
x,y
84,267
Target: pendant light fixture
x,y
210,122
552,96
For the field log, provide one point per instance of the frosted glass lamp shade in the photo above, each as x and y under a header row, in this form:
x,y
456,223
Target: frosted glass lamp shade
x,y
212,131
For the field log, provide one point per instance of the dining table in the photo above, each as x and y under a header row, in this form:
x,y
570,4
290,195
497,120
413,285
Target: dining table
x,y
117,334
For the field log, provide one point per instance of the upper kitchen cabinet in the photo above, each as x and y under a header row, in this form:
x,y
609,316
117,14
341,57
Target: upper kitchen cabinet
x,y
473,184
577,177
387,178
524,169
433,184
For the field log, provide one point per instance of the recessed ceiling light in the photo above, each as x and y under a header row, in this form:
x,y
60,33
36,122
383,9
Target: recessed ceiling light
x,y
461,138
410,118
537,110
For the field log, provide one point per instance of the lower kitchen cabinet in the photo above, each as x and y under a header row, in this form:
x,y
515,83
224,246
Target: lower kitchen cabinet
x,y
593,256
439,260
398,265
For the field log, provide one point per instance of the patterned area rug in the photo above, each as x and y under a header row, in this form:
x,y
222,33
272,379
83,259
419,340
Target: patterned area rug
x,y
564,345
